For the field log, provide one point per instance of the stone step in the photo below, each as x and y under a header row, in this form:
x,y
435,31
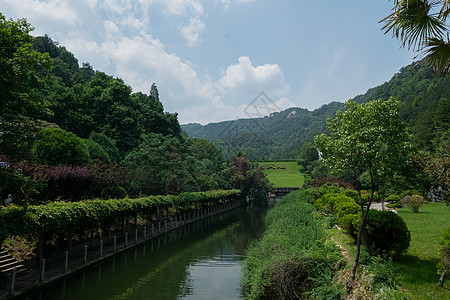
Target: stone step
x,y
8,263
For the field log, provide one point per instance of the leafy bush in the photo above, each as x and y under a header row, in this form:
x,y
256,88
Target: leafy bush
x,y
384,273
365,195
330,221
443,267
352,194
349,213
96,151
327,202
19,247
68,182
318,182
392,198
57,146
117,192
107,144
394,205
413,202
386,233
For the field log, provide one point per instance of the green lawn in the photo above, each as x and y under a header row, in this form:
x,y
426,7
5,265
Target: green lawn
x,y
418,267
285,174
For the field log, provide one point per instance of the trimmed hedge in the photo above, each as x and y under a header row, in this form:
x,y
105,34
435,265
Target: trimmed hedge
x,y
62,216
386,233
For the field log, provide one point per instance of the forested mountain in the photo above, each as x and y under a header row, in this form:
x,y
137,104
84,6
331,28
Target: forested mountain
x,y
425,106
278,136
425,101
85,101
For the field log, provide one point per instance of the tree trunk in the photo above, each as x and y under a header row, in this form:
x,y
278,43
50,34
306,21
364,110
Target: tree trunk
x,y
442,278
362,224
358,243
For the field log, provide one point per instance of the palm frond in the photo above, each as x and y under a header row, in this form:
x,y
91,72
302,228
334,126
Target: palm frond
x,y
437,54
412,22
445,10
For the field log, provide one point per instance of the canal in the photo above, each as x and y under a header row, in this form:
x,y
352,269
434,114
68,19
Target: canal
x,y
202,260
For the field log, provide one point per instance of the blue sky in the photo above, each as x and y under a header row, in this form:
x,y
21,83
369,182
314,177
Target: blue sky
x,y
211,59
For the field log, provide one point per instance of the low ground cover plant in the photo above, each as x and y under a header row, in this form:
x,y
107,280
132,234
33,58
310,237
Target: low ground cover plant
x,y
292,259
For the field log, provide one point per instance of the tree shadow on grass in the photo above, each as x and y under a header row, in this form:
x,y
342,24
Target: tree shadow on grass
x,y
414,270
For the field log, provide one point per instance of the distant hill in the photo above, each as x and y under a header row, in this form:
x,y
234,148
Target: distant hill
x,y
425,106
278,136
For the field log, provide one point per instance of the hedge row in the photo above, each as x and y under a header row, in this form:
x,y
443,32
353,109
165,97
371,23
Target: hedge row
x,y
62,216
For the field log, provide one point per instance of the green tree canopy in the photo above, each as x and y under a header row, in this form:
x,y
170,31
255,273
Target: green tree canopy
x,y
158,165
57,146
20,107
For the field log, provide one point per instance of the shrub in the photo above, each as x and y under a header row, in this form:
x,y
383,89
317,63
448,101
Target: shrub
x,y
69,182
352,194
349,213
326,202
383,271
318,182
413,202
96,151
394,205
408,193
386,233
57,146
117,192
392,198
443,266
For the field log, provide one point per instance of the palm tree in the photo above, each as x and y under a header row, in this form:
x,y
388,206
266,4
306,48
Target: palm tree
x,y
421,25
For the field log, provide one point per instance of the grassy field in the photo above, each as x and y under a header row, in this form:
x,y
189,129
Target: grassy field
x,y
284,174
418,267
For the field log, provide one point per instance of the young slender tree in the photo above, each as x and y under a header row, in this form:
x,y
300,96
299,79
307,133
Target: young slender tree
x,y
370,138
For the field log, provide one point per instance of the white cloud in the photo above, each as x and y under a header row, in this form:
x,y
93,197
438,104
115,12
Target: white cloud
x,y
227,3
114,35
191,32
60,13
243,81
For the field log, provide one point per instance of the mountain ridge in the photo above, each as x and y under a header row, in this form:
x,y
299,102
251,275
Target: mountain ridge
x,y
424,106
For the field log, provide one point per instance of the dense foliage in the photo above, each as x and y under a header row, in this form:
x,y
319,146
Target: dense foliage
x,y
250,179
275,137
444,249
60,217
20,105
57,146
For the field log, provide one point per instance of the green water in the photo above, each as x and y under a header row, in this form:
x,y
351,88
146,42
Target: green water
x,y
200,261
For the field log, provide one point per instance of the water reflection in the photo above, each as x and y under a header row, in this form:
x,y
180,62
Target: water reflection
x,y
199,261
